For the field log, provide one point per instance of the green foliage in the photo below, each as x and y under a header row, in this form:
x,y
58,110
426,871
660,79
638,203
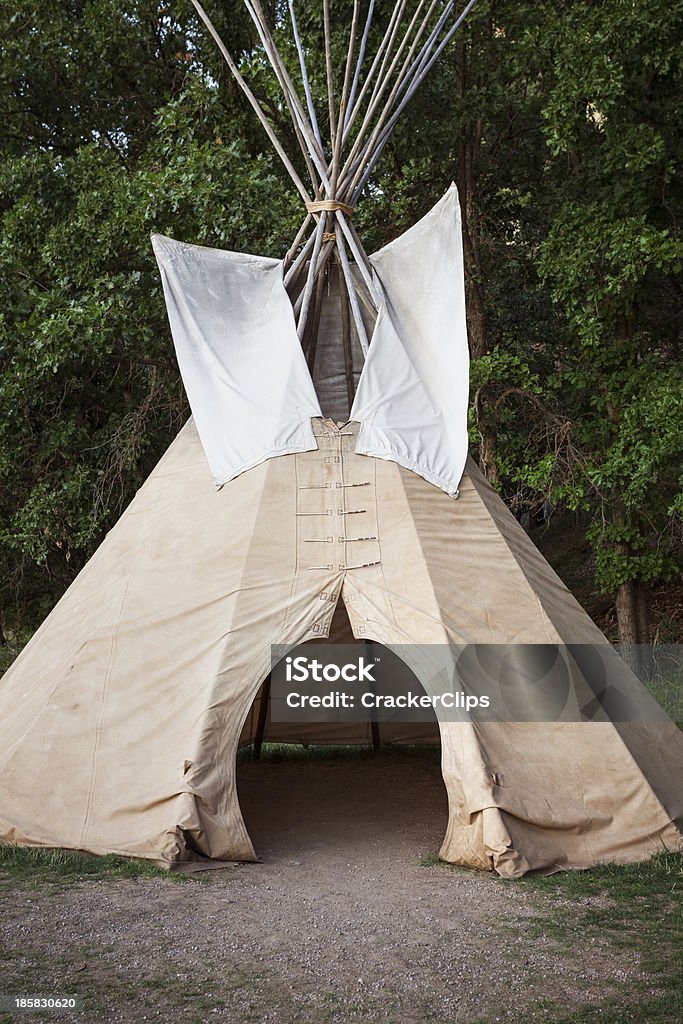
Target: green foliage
x,y
559,125
610,257
102,150
597,261
581,259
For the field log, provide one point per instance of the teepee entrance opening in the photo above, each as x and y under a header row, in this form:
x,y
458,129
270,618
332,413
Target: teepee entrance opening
x,y
346,806
260,731
341,790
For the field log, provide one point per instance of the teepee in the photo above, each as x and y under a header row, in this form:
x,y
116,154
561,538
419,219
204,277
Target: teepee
x,y
324,470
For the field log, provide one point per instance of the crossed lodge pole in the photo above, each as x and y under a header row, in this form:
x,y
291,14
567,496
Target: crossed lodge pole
x,y
360,124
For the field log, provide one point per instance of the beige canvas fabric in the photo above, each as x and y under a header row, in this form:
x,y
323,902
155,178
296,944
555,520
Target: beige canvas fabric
x,y
120,721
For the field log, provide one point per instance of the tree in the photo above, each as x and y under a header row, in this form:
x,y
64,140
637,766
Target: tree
x,y
567,158
117,123
611,258
557,125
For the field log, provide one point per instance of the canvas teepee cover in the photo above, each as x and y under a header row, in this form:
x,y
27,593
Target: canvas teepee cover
x,y
120,721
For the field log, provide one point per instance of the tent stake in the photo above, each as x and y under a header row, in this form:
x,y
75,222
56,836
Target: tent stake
x,y
370,646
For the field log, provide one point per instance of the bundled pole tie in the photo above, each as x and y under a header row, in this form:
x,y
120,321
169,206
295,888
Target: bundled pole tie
x,y
329,206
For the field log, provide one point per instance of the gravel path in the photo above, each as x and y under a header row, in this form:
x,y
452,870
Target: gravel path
x,y
339,923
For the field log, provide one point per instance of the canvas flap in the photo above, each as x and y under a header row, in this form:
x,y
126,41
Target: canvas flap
x,y
413,393
241,362
246,376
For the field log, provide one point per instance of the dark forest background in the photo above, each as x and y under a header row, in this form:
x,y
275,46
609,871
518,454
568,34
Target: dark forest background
x,y
560,125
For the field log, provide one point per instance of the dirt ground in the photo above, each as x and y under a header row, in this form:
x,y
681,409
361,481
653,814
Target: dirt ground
x,y
340,922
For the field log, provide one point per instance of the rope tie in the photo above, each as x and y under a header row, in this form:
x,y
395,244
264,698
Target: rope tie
x,y
329,206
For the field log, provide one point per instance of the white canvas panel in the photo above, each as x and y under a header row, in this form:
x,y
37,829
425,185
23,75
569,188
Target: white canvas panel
x,y
247,379
412,395
243,368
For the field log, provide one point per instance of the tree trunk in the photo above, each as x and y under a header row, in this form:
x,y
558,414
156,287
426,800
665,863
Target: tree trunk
x,y
631,611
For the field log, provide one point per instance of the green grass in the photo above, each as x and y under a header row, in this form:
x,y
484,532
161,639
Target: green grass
x,y
29,865
660,877
229,990
635,908
430,860
628,908
667,690
276,753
